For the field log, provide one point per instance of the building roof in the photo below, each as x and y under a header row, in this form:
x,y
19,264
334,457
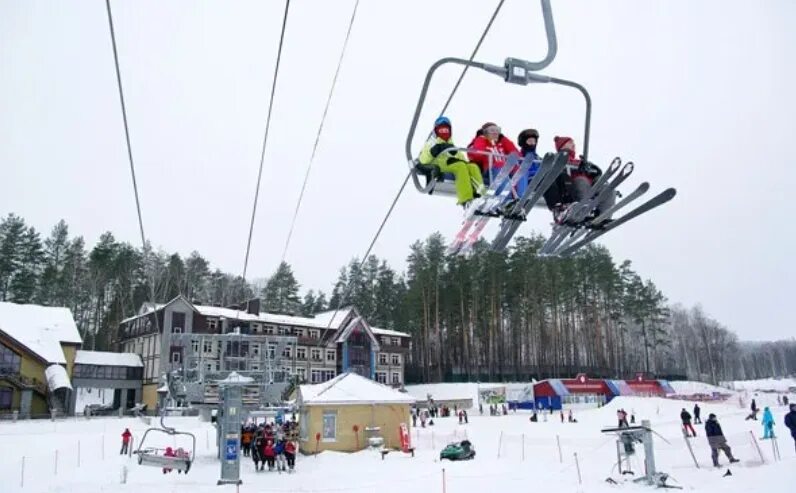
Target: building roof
x,y
41,329
388,332
331,319
104,358
351,389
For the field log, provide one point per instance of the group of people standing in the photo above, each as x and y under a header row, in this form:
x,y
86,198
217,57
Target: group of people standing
x,y
270,445
488,153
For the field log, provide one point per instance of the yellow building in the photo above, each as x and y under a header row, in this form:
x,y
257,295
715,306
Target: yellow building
x,y
344,412
37,353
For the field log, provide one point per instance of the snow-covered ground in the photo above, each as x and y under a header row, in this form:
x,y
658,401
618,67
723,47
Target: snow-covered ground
x,y
512,454
692,388
765,384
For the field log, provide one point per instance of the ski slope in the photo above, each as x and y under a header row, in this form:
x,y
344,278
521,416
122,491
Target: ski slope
x,y
512,454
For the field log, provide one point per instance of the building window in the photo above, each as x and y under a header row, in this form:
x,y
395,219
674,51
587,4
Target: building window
x,y
301,373
9,360
301,353
395,359
315,334
381,377
329,426
382,358
315,376
330,355
299,332
283,331
212,323
209,366
255,366
385,340
287,352
207,347
6,396
396,377
176,357
396,341
268,329
316,354
177,322
257,328
328,375
195,346
272,350
286,370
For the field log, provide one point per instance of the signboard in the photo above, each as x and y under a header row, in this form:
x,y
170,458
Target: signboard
x,y
231,448
495,395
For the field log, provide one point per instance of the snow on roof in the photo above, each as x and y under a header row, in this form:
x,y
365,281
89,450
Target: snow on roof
x,y
41,329
351,389
388,332
236,377
104,358
57,378
217,311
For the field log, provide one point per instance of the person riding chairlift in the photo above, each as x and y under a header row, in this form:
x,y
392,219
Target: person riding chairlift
x,y
574,184
436,159
490,146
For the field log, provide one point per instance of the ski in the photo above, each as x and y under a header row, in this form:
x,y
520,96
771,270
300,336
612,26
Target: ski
x,y
471,217
580,210
638,192
482,221
552,166
647,206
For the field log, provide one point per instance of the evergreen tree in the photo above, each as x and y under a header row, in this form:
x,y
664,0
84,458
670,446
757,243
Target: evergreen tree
x,y
24,284
308,304
12,248
55,253
280,294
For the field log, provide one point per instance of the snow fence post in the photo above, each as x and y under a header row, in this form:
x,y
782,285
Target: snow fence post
x,y
523,447
443,480
78,453
577,466
757,446
500,441
207,439
55,472
560,455
130,449
22,474
102,446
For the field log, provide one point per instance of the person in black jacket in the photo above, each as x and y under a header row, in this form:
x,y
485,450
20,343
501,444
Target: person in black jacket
x,y
697,410
717,441
685,416
790,421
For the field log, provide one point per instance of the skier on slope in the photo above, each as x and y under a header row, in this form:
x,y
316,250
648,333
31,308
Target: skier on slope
x,y
434,161
790,421
290,454
768,424
717,441
685,416
125,441
697,411
582,174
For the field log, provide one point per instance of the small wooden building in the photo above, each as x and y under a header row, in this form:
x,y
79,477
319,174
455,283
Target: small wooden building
x,y
344,412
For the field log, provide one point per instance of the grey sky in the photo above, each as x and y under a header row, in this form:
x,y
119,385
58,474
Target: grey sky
x,y
698,94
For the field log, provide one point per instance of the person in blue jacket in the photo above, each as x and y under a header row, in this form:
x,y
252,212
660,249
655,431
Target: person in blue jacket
x,y
768,424
279,451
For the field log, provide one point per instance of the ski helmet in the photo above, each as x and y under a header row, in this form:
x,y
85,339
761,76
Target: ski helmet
x,y
443,120
527,134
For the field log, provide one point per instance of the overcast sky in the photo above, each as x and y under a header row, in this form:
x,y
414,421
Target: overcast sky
x,y
700,94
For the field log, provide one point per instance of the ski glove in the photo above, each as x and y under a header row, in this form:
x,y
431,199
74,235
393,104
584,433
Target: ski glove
x,y
439,148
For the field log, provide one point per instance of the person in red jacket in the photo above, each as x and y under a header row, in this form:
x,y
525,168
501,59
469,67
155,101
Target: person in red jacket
x,y
290,454
489,140
168,453
125,441
583,174
269,454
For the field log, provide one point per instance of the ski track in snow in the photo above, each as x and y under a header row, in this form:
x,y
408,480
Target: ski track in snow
x,y
528,455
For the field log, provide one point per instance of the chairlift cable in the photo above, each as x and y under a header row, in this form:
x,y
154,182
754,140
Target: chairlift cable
x,y
265,138
320,129
409,174
145,245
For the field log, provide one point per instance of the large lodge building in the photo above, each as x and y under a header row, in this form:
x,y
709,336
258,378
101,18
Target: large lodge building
x,y
211,340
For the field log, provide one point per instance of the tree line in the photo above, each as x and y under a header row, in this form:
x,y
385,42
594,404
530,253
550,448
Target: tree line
x,y
491,316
